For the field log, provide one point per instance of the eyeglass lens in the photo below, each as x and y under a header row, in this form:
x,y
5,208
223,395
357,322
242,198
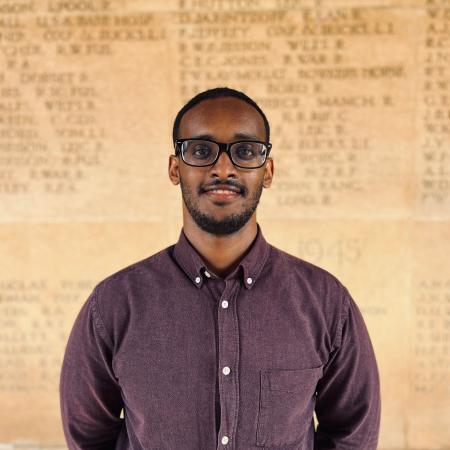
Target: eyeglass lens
x,y
202,153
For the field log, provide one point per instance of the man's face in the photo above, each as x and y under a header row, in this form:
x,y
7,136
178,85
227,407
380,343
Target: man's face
x,y
224,119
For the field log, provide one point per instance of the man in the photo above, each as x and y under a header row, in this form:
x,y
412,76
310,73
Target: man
x,y
221,340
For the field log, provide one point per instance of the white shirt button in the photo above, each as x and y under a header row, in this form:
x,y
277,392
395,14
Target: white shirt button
x,y
224,440
249,280
207,274
224,304
226,370
197,280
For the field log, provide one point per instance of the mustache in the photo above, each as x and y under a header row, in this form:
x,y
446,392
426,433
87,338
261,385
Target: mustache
x,y
242,189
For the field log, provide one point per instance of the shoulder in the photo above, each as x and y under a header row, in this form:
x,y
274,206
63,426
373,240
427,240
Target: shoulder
x,y
141,271
122,294
117,292
319,280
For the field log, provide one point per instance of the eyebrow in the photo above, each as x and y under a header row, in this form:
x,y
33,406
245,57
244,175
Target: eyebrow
x,y
237,135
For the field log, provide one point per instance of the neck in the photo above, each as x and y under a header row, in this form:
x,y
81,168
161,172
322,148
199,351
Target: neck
x,y
221,253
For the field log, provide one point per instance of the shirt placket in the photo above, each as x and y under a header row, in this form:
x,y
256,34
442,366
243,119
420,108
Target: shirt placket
x,y
228,373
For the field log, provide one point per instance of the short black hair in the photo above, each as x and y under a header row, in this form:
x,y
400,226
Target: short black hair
x,y
217,93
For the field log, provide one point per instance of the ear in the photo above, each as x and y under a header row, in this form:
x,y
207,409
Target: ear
x,y
268,172
174,169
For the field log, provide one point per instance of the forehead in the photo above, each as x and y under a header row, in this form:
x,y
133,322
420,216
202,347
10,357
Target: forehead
x,y
222,118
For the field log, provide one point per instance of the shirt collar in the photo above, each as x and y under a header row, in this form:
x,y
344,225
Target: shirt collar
x,y
249,268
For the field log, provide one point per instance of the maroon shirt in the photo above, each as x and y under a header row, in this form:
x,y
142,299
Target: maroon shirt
x,y
168,341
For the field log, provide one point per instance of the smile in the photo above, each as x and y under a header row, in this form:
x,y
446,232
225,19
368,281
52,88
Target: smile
x,y
222,194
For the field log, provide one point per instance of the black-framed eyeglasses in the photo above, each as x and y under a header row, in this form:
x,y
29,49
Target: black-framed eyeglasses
x,y
205,152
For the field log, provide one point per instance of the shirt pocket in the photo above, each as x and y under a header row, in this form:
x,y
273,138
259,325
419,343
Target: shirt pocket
x,y
286,405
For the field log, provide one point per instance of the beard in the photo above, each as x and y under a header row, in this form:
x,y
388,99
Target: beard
x,y
225,226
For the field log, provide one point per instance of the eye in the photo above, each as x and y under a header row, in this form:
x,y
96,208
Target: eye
x,y
246,151
201,151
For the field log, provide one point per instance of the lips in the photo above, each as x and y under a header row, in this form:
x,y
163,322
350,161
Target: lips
x,y
223,188
222,192
222,195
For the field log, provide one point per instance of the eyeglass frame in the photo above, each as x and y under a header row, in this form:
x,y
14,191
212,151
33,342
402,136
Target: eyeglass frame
x,y
223,147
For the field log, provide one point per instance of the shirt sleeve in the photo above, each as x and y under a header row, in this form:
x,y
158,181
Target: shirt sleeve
x,y
90,396
348,404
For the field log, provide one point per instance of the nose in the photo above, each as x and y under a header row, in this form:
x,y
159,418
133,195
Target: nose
x,y
223,167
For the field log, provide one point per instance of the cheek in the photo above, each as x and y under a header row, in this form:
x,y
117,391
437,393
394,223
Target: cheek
x,y
191,180
254,181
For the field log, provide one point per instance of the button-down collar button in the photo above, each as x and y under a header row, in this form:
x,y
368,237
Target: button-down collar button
x,y
197,280
226,370
249,280
224,304
207,274
224,440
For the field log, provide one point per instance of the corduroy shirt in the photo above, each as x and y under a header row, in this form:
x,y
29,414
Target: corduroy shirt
x,y
200,362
